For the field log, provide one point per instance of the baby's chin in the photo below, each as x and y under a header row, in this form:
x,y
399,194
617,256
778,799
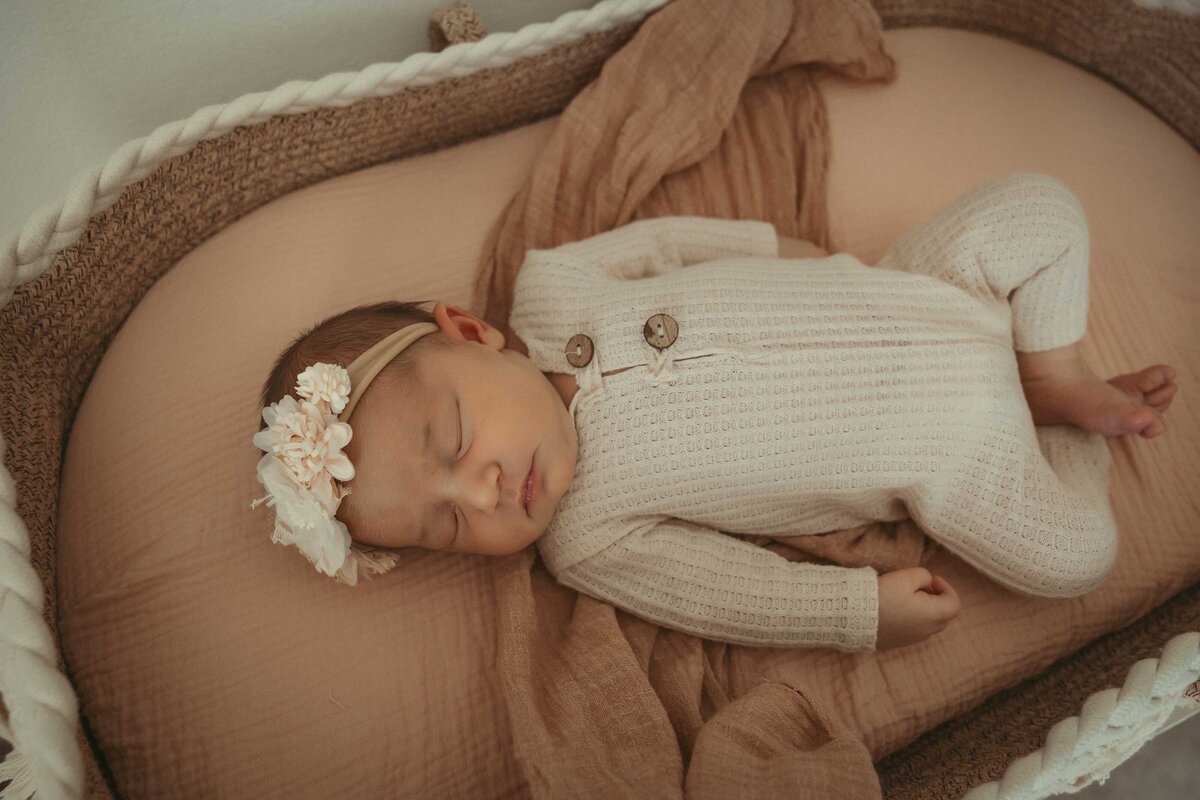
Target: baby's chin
x,y
500,550
541,531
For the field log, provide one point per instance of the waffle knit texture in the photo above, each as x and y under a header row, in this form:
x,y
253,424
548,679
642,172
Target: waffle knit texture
x,y
803,396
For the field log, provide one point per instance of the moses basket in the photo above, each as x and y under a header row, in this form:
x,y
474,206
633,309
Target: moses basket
x,y
77,269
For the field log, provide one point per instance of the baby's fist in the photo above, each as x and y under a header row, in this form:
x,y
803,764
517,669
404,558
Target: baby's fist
x,y
913,605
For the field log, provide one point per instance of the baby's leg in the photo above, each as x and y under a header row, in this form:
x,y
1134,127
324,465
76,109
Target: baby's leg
x,y
1023,238
1032,514
1020,238
1035,519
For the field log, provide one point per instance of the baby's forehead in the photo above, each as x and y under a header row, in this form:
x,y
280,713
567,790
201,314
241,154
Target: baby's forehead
x,y
401,406
397,418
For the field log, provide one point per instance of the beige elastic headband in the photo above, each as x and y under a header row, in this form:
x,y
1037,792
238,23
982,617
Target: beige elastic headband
x,y
364,368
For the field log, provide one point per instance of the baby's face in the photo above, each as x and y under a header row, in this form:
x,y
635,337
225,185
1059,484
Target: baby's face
x,y
490,416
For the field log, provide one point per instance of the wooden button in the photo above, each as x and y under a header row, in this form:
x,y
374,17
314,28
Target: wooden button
x,y
661,331
579,350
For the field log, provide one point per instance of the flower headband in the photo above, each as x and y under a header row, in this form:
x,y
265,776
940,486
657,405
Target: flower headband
x,y
303,463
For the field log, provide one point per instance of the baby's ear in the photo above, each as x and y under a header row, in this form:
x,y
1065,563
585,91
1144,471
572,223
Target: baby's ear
x,y
463,325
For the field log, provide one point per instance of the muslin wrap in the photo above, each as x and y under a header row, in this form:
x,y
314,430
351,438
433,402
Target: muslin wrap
x,y
711,109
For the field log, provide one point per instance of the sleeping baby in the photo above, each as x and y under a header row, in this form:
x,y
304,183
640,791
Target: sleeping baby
x,y
680,379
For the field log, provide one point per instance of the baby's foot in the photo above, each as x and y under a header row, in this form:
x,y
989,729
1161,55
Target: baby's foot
x,y
1154,387
1072,393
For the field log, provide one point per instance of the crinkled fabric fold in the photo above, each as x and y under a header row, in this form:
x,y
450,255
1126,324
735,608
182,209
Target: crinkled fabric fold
x,y
711,109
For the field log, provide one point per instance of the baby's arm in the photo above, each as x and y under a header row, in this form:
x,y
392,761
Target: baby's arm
x,y
701,581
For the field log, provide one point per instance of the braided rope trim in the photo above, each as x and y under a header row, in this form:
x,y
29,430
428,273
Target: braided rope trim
x,y
1112,726
28,253
43,708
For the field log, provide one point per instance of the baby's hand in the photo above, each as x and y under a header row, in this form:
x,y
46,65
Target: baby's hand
x,y
913,605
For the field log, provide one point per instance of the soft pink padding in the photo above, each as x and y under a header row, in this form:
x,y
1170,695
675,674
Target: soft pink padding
x,y
213,663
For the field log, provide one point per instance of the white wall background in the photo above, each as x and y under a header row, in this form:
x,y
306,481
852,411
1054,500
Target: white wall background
x,y
79,79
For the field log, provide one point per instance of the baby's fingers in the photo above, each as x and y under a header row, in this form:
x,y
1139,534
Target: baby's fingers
x,y
945,599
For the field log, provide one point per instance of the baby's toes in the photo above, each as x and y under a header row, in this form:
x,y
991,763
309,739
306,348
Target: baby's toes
x,y
1156,427
1154,377
1161,397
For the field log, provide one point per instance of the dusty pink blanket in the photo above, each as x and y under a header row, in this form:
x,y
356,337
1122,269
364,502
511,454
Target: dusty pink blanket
x,y
711,109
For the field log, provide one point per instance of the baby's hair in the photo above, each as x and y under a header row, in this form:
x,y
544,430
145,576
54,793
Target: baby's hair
x,y
339,340
342,338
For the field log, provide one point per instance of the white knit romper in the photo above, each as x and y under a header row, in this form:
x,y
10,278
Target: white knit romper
x,y
803,396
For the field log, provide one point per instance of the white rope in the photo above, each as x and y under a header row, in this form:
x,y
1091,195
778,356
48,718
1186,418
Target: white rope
x,y
43,709
26,254
1112,726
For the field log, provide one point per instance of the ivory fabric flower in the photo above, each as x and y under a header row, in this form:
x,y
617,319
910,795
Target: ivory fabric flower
x,y
326,546
302,465
302,517
327,382
296,505
308,441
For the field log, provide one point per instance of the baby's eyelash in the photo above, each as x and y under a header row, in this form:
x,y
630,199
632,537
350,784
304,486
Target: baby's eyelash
x,y
460,429
457,456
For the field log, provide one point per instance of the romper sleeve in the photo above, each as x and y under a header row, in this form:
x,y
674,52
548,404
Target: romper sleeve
x,y
649,247
698,580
